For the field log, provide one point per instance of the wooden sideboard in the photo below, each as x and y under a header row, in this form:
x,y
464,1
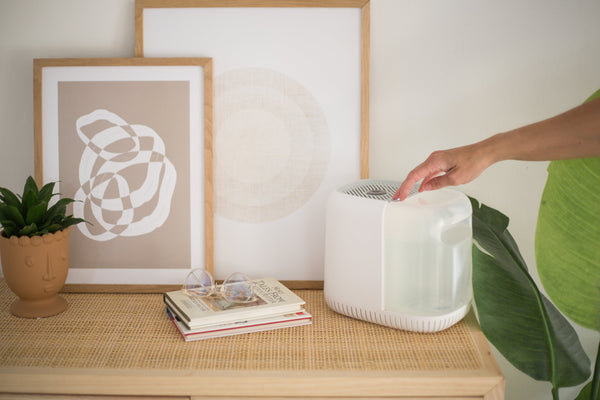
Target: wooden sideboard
x,y
109,344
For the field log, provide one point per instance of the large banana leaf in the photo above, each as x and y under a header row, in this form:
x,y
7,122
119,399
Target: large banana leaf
x,y
586,393
567,244
567,239
523,324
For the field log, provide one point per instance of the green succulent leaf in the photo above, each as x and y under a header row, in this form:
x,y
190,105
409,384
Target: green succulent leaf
x,y
28,230
36,213
14,214
70,220
60,207
3,215
52,228
57,213
10,228
47,192
30,199
30,185
523,324
9,198
31,216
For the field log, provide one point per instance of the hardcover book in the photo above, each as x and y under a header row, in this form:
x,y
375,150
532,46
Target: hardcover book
x,y
271,298
239,327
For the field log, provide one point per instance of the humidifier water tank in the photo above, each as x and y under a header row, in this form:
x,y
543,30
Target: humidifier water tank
x,y
404,264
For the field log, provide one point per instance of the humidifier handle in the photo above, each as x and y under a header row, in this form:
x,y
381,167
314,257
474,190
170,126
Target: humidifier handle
x,y
456,233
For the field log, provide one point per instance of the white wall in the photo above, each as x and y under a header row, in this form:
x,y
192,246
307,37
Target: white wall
x,y
443,73
447,73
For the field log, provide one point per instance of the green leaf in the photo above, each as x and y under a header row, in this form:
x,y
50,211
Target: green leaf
x,y
523,325
29,215
9,198
46,192
56,213
567,239
52,228
14,214
28,230
30,199
30,185
586,393
567,243
496,225
10,228
70,221
36,214
60,207
3,211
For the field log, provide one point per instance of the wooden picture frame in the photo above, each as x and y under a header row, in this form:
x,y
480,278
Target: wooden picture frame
x,y
131,140
258,39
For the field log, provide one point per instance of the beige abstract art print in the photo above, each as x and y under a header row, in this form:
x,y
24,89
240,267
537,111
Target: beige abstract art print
x,y
126,142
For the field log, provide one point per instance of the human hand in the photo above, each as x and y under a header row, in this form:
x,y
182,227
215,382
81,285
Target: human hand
x,y
446,168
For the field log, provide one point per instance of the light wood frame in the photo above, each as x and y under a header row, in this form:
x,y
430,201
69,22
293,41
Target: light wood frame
x,y
362,5
206,103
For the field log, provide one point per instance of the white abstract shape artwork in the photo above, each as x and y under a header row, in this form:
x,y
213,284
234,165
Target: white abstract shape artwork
x,y
272,145
126,180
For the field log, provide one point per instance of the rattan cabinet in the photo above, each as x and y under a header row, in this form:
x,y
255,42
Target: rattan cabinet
x,y
114,345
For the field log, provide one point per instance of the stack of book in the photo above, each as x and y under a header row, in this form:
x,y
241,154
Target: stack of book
x,y
274,307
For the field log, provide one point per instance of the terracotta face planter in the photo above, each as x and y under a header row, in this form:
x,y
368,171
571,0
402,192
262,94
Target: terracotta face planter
x,y
35,269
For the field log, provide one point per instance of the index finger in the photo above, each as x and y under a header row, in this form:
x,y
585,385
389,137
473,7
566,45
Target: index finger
x,y
413,177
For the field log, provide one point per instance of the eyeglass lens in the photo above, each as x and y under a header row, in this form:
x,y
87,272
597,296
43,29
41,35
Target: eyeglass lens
x,y
200,283
237,288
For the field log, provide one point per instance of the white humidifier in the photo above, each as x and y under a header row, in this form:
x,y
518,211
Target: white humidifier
x,y
404,264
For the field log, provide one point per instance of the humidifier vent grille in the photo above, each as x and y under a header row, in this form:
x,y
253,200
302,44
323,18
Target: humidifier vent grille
x,y
372,189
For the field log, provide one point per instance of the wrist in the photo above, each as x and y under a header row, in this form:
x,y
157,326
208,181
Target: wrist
x,y
492,150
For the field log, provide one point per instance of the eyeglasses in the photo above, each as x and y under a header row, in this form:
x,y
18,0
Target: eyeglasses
x,y
237,288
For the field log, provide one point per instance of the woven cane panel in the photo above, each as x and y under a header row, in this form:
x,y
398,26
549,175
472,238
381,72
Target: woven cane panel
x,y
132,331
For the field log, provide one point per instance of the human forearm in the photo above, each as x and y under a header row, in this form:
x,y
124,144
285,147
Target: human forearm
x,y
573,134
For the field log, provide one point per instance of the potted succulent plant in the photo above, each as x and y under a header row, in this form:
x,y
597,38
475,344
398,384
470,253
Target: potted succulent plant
x,y
34,248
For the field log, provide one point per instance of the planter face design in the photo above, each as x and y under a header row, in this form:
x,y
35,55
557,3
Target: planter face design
x,y
35,270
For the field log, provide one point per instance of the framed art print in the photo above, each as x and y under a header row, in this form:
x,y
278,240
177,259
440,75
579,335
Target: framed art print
x,y
291,119
130,140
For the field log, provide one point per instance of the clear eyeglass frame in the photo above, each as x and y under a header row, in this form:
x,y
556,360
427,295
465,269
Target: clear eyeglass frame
x,y
236,288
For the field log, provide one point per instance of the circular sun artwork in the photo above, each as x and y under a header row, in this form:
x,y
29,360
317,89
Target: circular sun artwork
x,y
272,145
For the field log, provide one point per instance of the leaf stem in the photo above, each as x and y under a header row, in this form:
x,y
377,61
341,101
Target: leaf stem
x,y
596,379
546,320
